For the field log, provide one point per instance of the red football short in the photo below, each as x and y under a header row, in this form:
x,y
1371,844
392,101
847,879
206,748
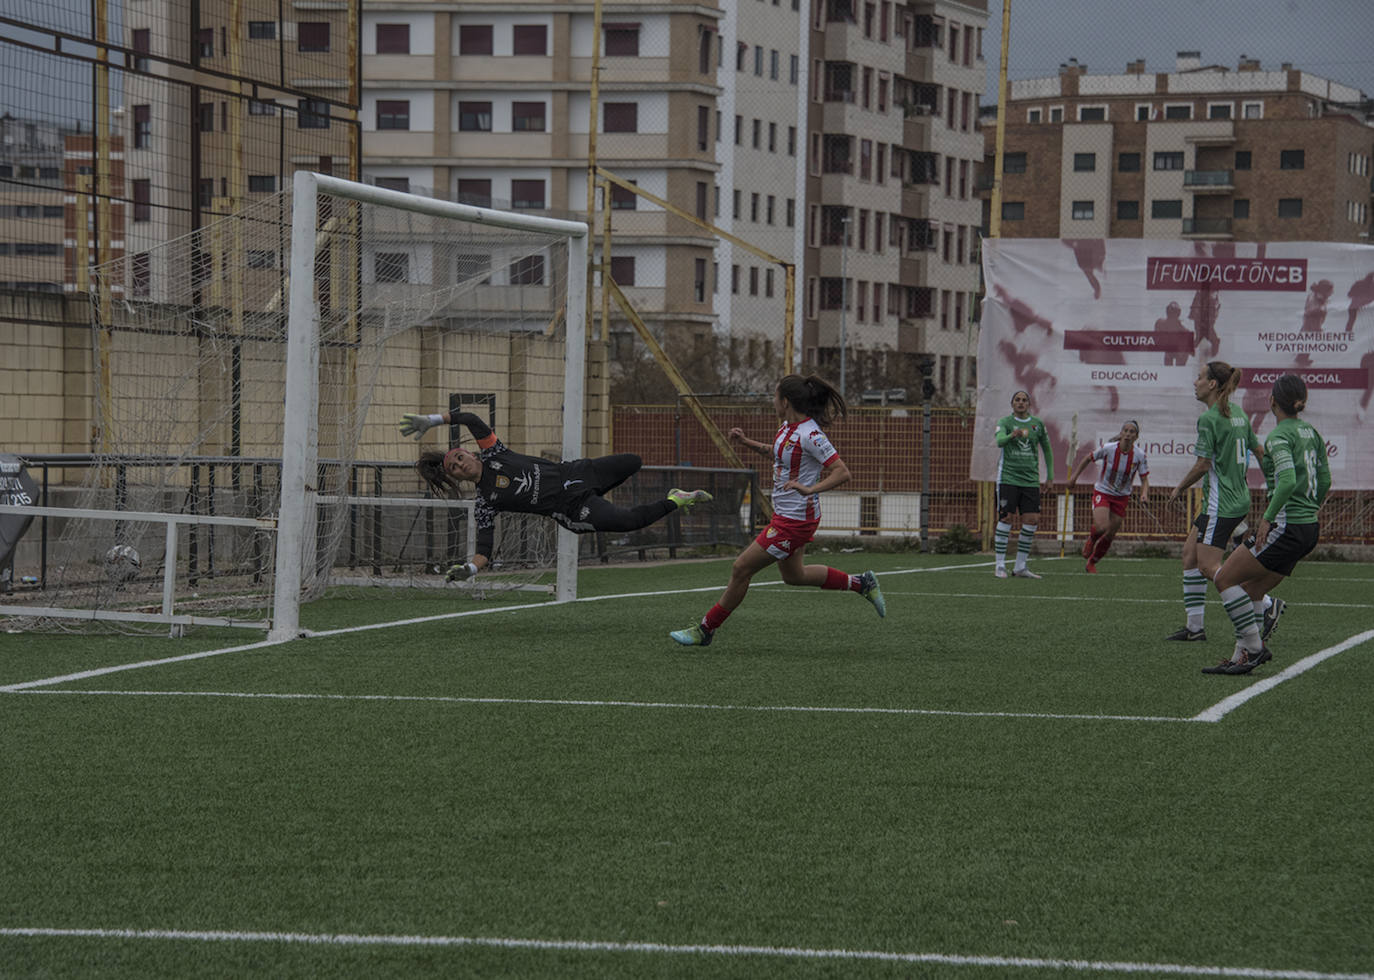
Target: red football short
x,y
1117,505
784,536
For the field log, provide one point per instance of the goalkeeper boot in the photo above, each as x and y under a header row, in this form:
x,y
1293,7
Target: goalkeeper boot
x,y
693,636
868,588
686,498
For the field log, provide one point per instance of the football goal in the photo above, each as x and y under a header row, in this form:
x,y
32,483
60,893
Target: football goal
x,y
247,383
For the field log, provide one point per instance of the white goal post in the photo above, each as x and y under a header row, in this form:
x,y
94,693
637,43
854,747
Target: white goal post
x,y
295,529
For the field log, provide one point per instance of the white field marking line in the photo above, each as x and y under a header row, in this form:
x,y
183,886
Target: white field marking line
x,y
1086,598
1224,707
588,703
117,668
696,949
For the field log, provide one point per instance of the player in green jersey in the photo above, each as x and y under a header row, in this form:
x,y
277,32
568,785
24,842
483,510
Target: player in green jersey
x,y
1287,532
1022,438
1224,444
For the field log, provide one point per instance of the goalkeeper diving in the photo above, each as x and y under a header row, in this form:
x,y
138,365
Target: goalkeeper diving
x,y
571,492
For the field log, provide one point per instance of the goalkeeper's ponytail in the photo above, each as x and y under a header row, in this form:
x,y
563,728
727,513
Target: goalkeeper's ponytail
x,y
430,466
814,396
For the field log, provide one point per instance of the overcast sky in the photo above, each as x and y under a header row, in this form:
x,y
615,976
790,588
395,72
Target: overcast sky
x,y
1331,38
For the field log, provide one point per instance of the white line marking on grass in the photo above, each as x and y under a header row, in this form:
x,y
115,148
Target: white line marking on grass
x,y
590,703
695,949
1224,707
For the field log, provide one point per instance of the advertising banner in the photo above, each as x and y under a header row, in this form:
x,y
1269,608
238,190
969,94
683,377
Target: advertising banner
x,y
1103,330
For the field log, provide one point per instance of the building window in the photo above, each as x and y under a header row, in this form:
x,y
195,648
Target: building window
x,y
1252,110
622,40
312,114
623,199
401,184
699,280
754,208
1013,210
474,192
1033,115
1084,162
758,60
1127,210
623,270
143,125
1169,161
140,274
793,69
1056,114
1166,209
141,41
205,42
256,108
474,39
391,267
1218,110
1291,159
262,183
1179,110
734,279
1013,163
206,123
530,39
312,36
1242,159
261,258
1290,207
768,283
527,194
1128,163
620,117
772,137
1082,210
757,141
527,117
1144,112
393,39
1092,113
262,30
143,200
474,117
527,271
790,211
393,114
753,280
1240,208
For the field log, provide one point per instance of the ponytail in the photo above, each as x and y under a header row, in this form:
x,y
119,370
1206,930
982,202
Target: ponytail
x,y
1227,379
813,396
1290,394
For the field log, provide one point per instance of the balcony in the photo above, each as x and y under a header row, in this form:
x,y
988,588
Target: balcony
x,y
1210,132
1206,227
1208,181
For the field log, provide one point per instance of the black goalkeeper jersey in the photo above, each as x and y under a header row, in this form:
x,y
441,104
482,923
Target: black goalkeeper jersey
x,y
523,484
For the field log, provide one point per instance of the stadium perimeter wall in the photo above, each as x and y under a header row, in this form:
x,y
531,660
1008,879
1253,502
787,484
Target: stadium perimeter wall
x,y
882,447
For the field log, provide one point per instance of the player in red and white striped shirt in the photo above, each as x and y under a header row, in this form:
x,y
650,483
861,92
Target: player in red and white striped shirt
x,y
1122,462
805,465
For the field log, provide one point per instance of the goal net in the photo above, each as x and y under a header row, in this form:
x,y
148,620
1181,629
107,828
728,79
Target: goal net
x,y
248,381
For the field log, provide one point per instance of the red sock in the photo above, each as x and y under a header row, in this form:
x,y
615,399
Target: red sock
x,y
715,617
837,580
1102,545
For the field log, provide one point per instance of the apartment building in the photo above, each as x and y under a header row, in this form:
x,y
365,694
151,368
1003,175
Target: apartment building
x,y
222,102
783,123
32,212
1203,152
892,212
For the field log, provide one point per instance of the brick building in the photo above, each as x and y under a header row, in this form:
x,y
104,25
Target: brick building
x,y
1203,152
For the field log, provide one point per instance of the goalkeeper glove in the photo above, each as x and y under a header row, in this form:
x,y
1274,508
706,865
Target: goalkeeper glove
x,y
461,573
418,425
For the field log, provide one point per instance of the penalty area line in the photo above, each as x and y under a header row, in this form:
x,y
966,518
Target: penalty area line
x,y
1225,706
590,703
696,949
